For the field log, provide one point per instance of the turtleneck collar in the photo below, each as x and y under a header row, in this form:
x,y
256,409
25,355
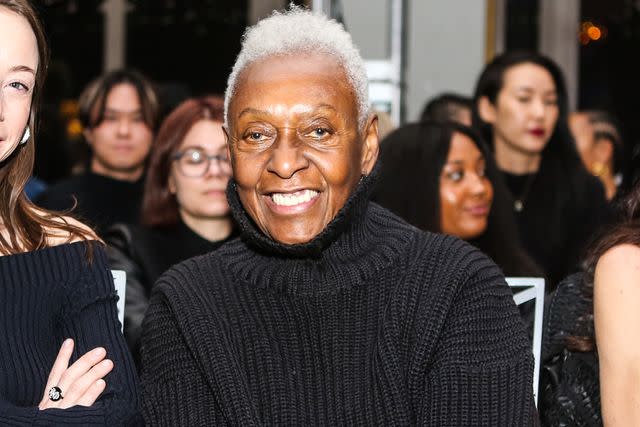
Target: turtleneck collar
x,y
347,216
357,244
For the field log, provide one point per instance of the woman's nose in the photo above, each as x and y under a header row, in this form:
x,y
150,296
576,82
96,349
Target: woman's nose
x,y
287,156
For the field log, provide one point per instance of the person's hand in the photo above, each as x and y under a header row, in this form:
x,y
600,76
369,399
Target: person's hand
x,y
80,383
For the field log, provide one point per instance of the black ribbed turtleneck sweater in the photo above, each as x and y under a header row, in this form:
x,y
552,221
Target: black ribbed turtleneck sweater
x,y
371,323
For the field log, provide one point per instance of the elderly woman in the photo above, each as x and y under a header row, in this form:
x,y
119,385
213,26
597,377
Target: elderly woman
x,y
329,310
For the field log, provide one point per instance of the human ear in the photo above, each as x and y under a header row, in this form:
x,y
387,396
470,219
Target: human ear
x,y
486,110
88,135
171,184
370,145
603,151
227,141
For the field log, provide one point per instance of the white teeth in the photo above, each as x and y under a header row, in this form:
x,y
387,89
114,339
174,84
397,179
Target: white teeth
x,y
289,199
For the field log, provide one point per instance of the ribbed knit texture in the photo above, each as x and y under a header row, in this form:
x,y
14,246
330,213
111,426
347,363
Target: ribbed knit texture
x,y
371,323
47,296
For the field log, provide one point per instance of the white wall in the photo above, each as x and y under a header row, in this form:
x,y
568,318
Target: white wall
x,y
445,44
446,48
368,22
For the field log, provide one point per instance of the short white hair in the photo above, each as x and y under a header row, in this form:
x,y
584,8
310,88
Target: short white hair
x,y
295,31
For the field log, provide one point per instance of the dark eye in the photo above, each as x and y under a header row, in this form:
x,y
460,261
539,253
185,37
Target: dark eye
x,y
256,136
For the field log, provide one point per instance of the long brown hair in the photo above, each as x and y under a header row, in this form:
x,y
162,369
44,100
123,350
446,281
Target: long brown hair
x,y
159,206
28,227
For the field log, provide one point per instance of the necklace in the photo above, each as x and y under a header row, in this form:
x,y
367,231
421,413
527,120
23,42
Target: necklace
x,y
518,204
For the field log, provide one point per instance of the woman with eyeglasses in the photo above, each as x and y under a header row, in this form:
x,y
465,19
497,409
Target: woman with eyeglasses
x,y
184,209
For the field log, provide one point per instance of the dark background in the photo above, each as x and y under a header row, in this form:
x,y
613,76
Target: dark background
x,y
188,47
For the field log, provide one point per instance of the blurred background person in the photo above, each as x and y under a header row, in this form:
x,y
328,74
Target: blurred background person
x,y
520,107
184,209
599,142
455,188
448,107
118,112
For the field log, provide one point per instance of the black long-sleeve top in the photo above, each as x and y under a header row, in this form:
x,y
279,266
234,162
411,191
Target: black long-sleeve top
x,y
373,322
47,296
559,219
101,200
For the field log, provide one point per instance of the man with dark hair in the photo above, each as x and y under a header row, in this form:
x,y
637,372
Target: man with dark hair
x,y
119,112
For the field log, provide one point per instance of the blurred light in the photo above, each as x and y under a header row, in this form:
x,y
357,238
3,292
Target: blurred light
x,y
74,128
69,107
584,38
594,33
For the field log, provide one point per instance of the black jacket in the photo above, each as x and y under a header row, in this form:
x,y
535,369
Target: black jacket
x,y
144,254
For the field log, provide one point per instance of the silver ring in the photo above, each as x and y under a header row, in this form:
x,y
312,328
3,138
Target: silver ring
x,y
55,393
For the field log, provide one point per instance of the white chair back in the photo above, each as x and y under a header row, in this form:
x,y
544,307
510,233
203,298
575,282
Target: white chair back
x,y
120,282
527,289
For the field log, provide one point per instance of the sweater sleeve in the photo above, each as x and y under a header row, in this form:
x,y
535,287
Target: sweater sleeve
x,y
173,388
482,369
91,319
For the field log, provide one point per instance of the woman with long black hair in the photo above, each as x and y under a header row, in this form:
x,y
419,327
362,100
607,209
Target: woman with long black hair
x,y
455,187
520,107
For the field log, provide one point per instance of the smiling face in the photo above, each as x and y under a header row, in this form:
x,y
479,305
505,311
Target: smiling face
x,y
121,141
526,109
203,196
466,193
18,65
295,146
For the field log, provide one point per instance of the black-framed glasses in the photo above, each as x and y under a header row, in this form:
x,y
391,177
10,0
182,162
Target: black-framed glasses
x,y
194,162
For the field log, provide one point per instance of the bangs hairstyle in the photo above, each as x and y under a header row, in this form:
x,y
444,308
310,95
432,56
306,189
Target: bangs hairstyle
x,y
413,157
159,206
28,227
93,100
561,145
298,31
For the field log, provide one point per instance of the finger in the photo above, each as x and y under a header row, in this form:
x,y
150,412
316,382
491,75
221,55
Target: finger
x,y
92,393
82,384
81,367
60,364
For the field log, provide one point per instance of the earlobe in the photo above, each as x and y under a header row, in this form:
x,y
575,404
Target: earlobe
x,y
486,110
371,145
227,141
88,135
171,185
